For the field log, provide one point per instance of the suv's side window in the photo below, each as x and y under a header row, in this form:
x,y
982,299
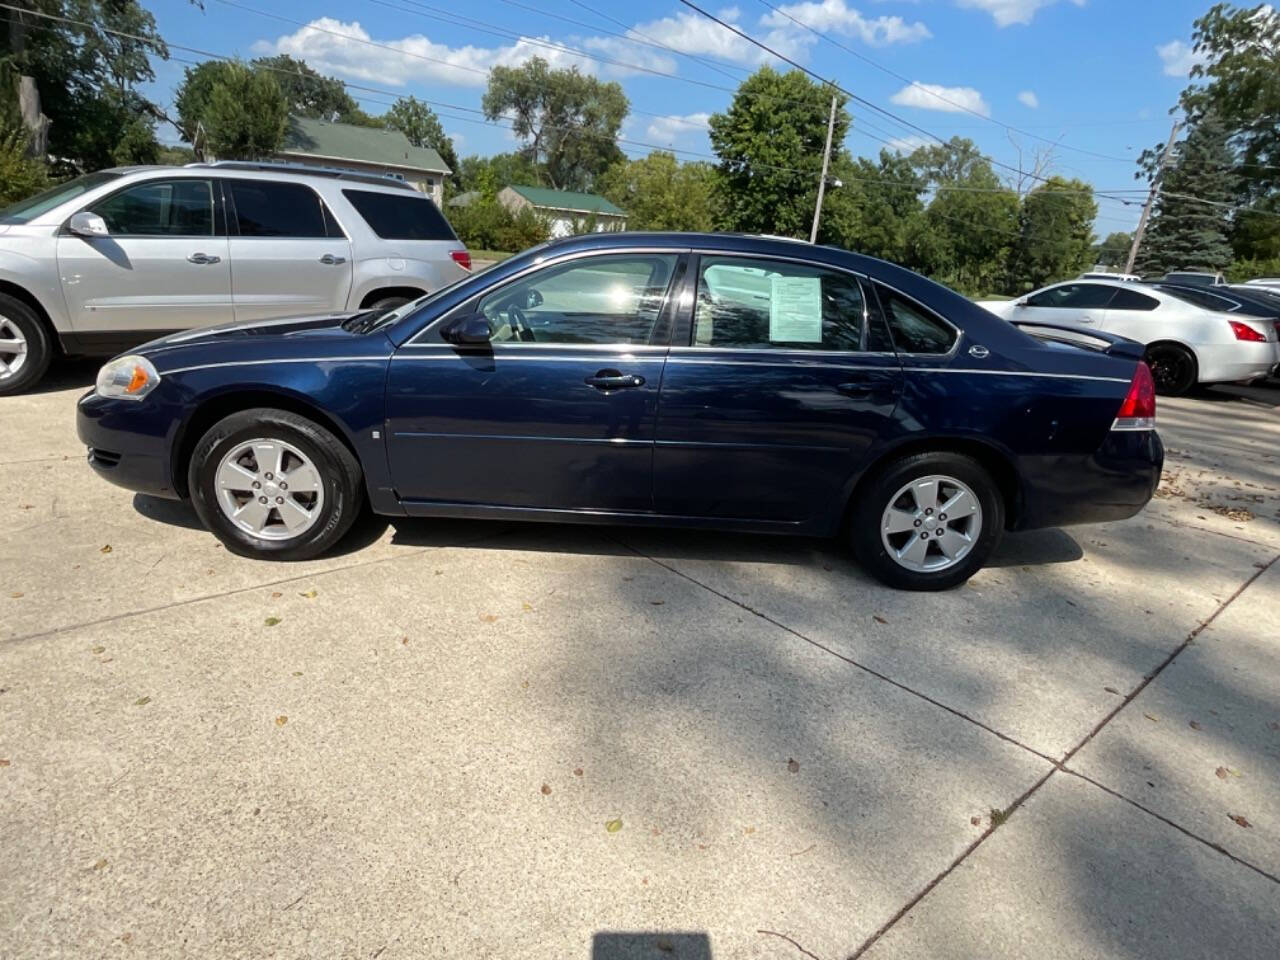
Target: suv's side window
x,y
761,304
914,329
608,300
268,208
1075,296
160,208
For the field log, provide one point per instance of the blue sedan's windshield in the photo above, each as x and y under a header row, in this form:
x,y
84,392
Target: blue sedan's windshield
x,y
24,211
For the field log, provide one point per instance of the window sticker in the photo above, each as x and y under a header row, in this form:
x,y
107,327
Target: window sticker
x,y
795,310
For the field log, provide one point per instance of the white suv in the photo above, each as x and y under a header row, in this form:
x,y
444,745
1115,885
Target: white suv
x,y
111,259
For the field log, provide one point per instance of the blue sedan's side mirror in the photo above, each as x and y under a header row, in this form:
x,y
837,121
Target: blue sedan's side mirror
x,y
469,330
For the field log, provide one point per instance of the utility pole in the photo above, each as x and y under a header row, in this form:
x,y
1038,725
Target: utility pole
x,y
1151,198
826,162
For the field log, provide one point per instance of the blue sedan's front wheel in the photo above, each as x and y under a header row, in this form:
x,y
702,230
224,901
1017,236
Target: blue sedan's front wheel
x,y
275,485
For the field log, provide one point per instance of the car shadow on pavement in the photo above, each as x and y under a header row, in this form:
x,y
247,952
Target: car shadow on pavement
x,y
644,946
68,374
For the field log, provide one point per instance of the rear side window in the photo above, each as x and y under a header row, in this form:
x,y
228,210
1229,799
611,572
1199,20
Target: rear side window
x,y
1078,296
400,216
915,329
1132,300
1201,298
267,209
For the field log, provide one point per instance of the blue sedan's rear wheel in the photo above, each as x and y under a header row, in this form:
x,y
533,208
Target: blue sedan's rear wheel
x,y
269,483
927,521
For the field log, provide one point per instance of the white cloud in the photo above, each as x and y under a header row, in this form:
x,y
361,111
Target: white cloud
x,y
667,130
1028,98
933,96
1178,58
1008,12
833,16
347,49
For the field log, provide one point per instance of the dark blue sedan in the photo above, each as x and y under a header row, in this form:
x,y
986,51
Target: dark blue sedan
x,y
713,381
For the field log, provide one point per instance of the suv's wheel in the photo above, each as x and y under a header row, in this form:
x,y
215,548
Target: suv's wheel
x,y
1173,368
927,521
269,483
388,303
25,346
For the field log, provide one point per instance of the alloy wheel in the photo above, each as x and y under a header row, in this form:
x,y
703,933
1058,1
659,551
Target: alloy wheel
x,y
269,489
1172,369
13,348
931,523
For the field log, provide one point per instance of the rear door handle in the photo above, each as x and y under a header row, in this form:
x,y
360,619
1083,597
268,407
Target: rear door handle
x,y
855,389
203,258
613,380
330,259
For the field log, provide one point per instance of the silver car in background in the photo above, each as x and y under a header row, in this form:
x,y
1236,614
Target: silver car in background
x,y
111,259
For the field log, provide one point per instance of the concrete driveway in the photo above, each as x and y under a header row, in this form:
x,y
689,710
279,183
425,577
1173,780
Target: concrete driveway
x,y
481,740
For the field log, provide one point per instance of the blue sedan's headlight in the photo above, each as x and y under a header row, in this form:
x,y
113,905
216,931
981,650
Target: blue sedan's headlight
x,y
127,378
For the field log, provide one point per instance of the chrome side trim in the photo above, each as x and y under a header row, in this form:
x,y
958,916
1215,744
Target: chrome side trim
x,y
1015,373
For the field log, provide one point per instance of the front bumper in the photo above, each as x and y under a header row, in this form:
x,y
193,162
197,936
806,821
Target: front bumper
x,y
122,448
1113,483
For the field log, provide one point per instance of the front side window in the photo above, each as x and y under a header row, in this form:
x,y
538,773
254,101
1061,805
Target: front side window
x,y
914,329
400,216
597,300
761,304
266,208
160,208
1073,296
24,211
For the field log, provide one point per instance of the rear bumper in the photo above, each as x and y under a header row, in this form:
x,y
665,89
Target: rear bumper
x,y
119,451
1237,362
1113,483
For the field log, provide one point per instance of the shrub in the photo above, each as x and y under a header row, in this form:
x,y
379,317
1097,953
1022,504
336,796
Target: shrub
x,y
20,175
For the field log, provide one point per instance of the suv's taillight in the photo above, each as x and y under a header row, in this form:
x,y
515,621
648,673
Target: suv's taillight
x,y
1138,412
462,258
1245,332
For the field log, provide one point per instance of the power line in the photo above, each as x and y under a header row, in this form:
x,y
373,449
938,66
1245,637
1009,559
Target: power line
x,y
920,86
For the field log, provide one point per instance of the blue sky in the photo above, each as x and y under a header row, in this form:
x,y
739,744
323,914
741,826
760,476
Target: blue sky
x,y
1097,76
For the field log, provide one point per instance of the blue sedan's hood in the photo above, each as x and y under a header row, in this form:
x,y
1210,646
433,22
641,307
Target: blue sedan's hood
x,y
322,324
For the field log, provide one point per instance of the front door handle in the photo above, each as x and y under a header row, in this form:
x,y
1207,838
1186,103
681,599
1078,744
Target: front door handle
x,y
1086,319
203,258
855,389
329,259
613,380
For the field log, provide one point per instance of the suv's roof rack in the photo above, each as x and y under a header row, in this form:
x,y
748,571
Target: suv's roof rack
x,y
302,169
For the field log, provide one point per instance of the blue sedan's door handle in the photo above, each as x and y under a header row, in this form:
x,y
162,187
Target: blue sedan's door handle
x,y
613,380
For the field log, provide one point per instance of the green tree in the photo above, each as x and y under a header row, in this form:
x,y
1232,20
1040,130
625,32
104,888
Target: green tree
x,y
659,193
965,235
1055,234
1114,250
1191,221
770,143
230,111
488,175
86,77
568,121
887,195
20,175
419,123
307,92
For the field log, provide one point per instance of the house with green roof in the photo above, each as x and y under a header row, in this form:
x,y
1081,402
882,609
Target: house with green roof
x,y
320,143
564,209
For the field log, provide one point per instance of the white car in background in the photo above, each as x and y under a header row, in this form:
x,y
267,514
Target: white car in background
x,y
1186,344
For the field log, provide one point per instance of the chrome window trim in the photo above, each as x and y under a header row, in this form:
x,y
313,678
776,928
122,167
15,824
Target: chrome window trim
x,y
959,332
540,263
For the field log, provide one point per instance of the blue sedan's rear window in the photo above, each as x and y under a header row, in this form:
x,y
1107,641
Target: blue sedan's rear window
x,y
401,216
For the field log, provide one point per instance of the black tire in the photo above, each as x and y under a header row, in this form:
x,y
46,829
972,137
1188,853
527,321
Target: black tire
x,y
388,303
877,494
336,465
1173,368
39,346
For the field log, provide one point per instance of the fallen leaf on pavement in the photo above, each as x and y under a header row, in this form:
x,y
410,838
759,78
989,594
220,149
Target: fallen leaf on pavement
x,y
276,594
404,641
281,721
1221,773
488,618
1240,821
16,594
657,603
106,549
546,789
793,766
577,771
99,649
613,826
310,594
297,673
1112,690
527,607
748,830
878,619
1151,718
100,863
975,821
142,701
271,621
3,762
1194,725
